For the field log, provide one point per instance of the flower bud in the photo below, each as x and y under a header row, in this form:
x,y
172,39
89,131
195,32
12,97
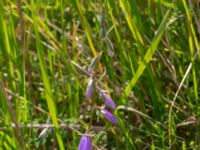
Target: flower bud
x,y
94,62
85,143
89,89
108,100
109,116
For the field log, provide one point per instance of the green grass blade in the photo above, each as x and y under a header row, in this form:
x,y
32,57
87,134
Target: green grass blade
x,y
148,56
191,25
11,118
46,82
192,37
7,52
193,68
85,25
132,23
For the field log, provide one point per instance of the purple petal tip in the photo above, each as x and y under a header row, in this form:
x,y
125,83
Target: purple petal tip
x,y
85,143
109,116
108,100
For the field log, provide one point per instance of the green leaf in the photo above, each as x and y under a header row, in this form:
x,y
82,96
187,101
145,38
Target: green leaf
x,y
148,56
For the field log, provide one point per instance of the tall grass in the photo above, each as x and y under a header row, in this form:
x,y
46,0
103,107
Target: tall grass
x,y
149,64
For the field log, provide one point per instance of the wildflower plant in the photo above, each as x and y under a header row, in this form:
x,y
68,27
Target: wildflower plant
x,y
92,86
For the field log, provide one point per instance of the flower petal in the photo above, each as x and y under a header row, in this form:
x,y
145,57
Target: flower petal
x,y
85,143
109,116
108,100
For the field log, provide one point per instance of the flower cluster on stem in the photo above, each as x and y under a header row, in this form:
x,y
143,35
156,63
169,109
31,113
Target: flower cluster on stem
x,y
86,141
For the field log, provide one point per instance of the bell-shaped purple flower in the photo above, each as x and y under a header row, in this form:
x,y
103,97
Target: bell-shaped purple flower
x,y
85,143
109,116
108,100
89,89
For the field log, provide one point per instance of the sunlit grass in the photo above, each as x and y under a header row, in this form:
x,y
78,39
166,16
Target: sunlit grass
x,y
149,64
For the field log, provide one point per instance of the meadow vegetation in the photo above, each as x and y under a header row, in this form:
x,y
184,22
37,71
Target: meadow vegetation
x,y
62,60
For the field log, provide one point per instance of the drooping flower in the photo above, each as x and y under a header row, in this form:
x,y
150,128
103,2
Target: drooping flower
x,y
109,116
85,143
108,100
89,89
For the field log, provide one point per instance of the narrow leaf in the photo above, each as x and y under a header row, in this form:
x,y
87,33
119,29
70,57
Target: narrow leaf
x,y
148,56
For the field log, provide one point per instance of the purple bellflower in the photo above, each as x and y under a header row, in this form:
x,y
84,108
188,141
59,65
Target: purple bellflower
x,y
85,143
109,116
108,100
89,89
